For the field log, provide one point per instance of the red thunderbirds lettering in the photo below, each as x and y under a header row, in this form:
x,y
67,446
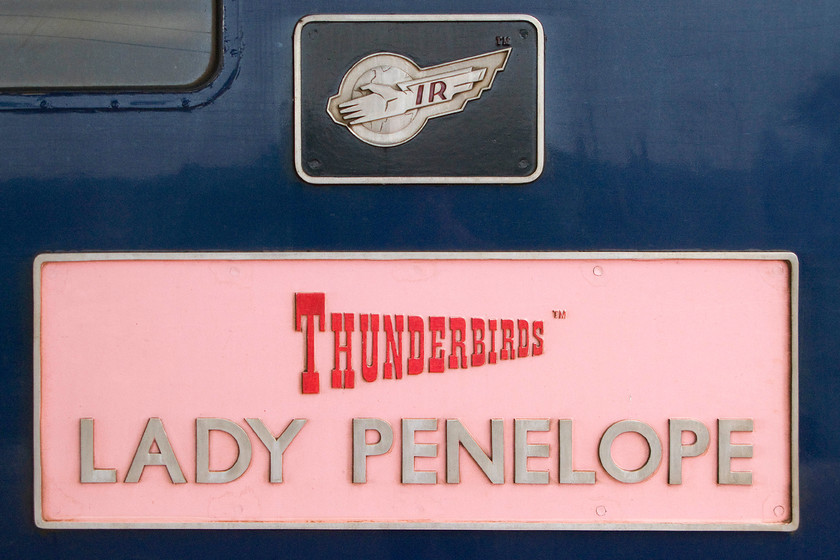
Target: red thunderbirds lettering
x,y
470,342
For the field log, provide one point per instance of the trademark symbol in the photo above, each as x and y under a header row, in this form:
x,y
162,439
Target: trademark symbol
x,y
558,313
502,41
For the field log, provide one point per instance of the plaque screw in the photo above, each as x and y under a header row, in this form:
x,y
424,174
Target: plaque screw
x,y
601,511
598,271
314,164
779,511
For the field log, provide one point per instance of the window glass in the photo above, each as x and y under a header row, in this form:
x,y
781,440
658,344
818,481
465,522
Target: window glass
x,y
105,43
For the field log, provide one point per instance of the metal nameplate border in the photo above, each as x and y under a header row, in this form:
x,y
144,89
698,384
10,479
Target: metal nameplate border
x,y
420,18
789,257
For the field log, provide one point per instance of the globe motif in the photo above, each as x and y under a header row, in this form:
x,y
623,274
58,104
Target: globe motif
x,y
388,76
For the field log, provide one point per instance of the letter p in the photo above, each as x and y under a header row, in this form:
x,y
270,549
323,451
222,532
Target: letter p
x,y
362,450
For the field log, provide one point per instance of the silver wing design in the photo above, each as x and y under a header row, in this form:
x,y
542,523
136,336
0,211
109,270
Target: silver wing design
x,y
389,101
384,101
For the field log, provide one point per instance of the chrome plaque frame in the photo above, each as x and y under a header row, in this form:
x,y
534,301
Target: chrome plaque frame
x,y
430,179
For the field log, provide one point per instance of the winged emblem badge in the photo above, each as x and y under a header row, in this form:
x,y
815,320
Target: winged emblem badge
x,y
385,99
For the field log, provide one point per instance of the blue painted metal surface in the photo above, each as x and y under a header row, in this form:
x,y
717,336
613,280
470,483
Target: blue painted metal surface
x,y
669,126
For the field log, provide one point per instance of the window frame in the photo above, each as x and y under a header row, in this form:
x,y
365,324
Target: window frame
x,y
227,49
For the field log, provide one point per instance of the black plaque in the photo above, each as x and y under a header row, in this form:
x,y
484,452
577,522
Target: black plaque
x,y
496,137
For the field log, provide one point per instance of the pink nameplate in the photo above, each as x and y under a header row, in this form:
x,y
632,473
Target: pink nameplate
x,y
444,391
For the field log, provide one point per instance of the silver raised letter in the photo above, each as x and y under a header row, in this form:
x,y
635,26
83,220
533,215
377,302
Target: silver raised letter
x,y
410,450
567,475
276,447
154,434
727,450
362,450
654,451
676,450
522,450
203,474
457,435
89,472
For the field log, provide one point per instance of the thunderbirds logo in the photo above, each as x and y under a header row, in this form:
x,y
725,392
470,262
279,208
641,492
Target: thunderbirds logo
x,y
385,99
454,343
